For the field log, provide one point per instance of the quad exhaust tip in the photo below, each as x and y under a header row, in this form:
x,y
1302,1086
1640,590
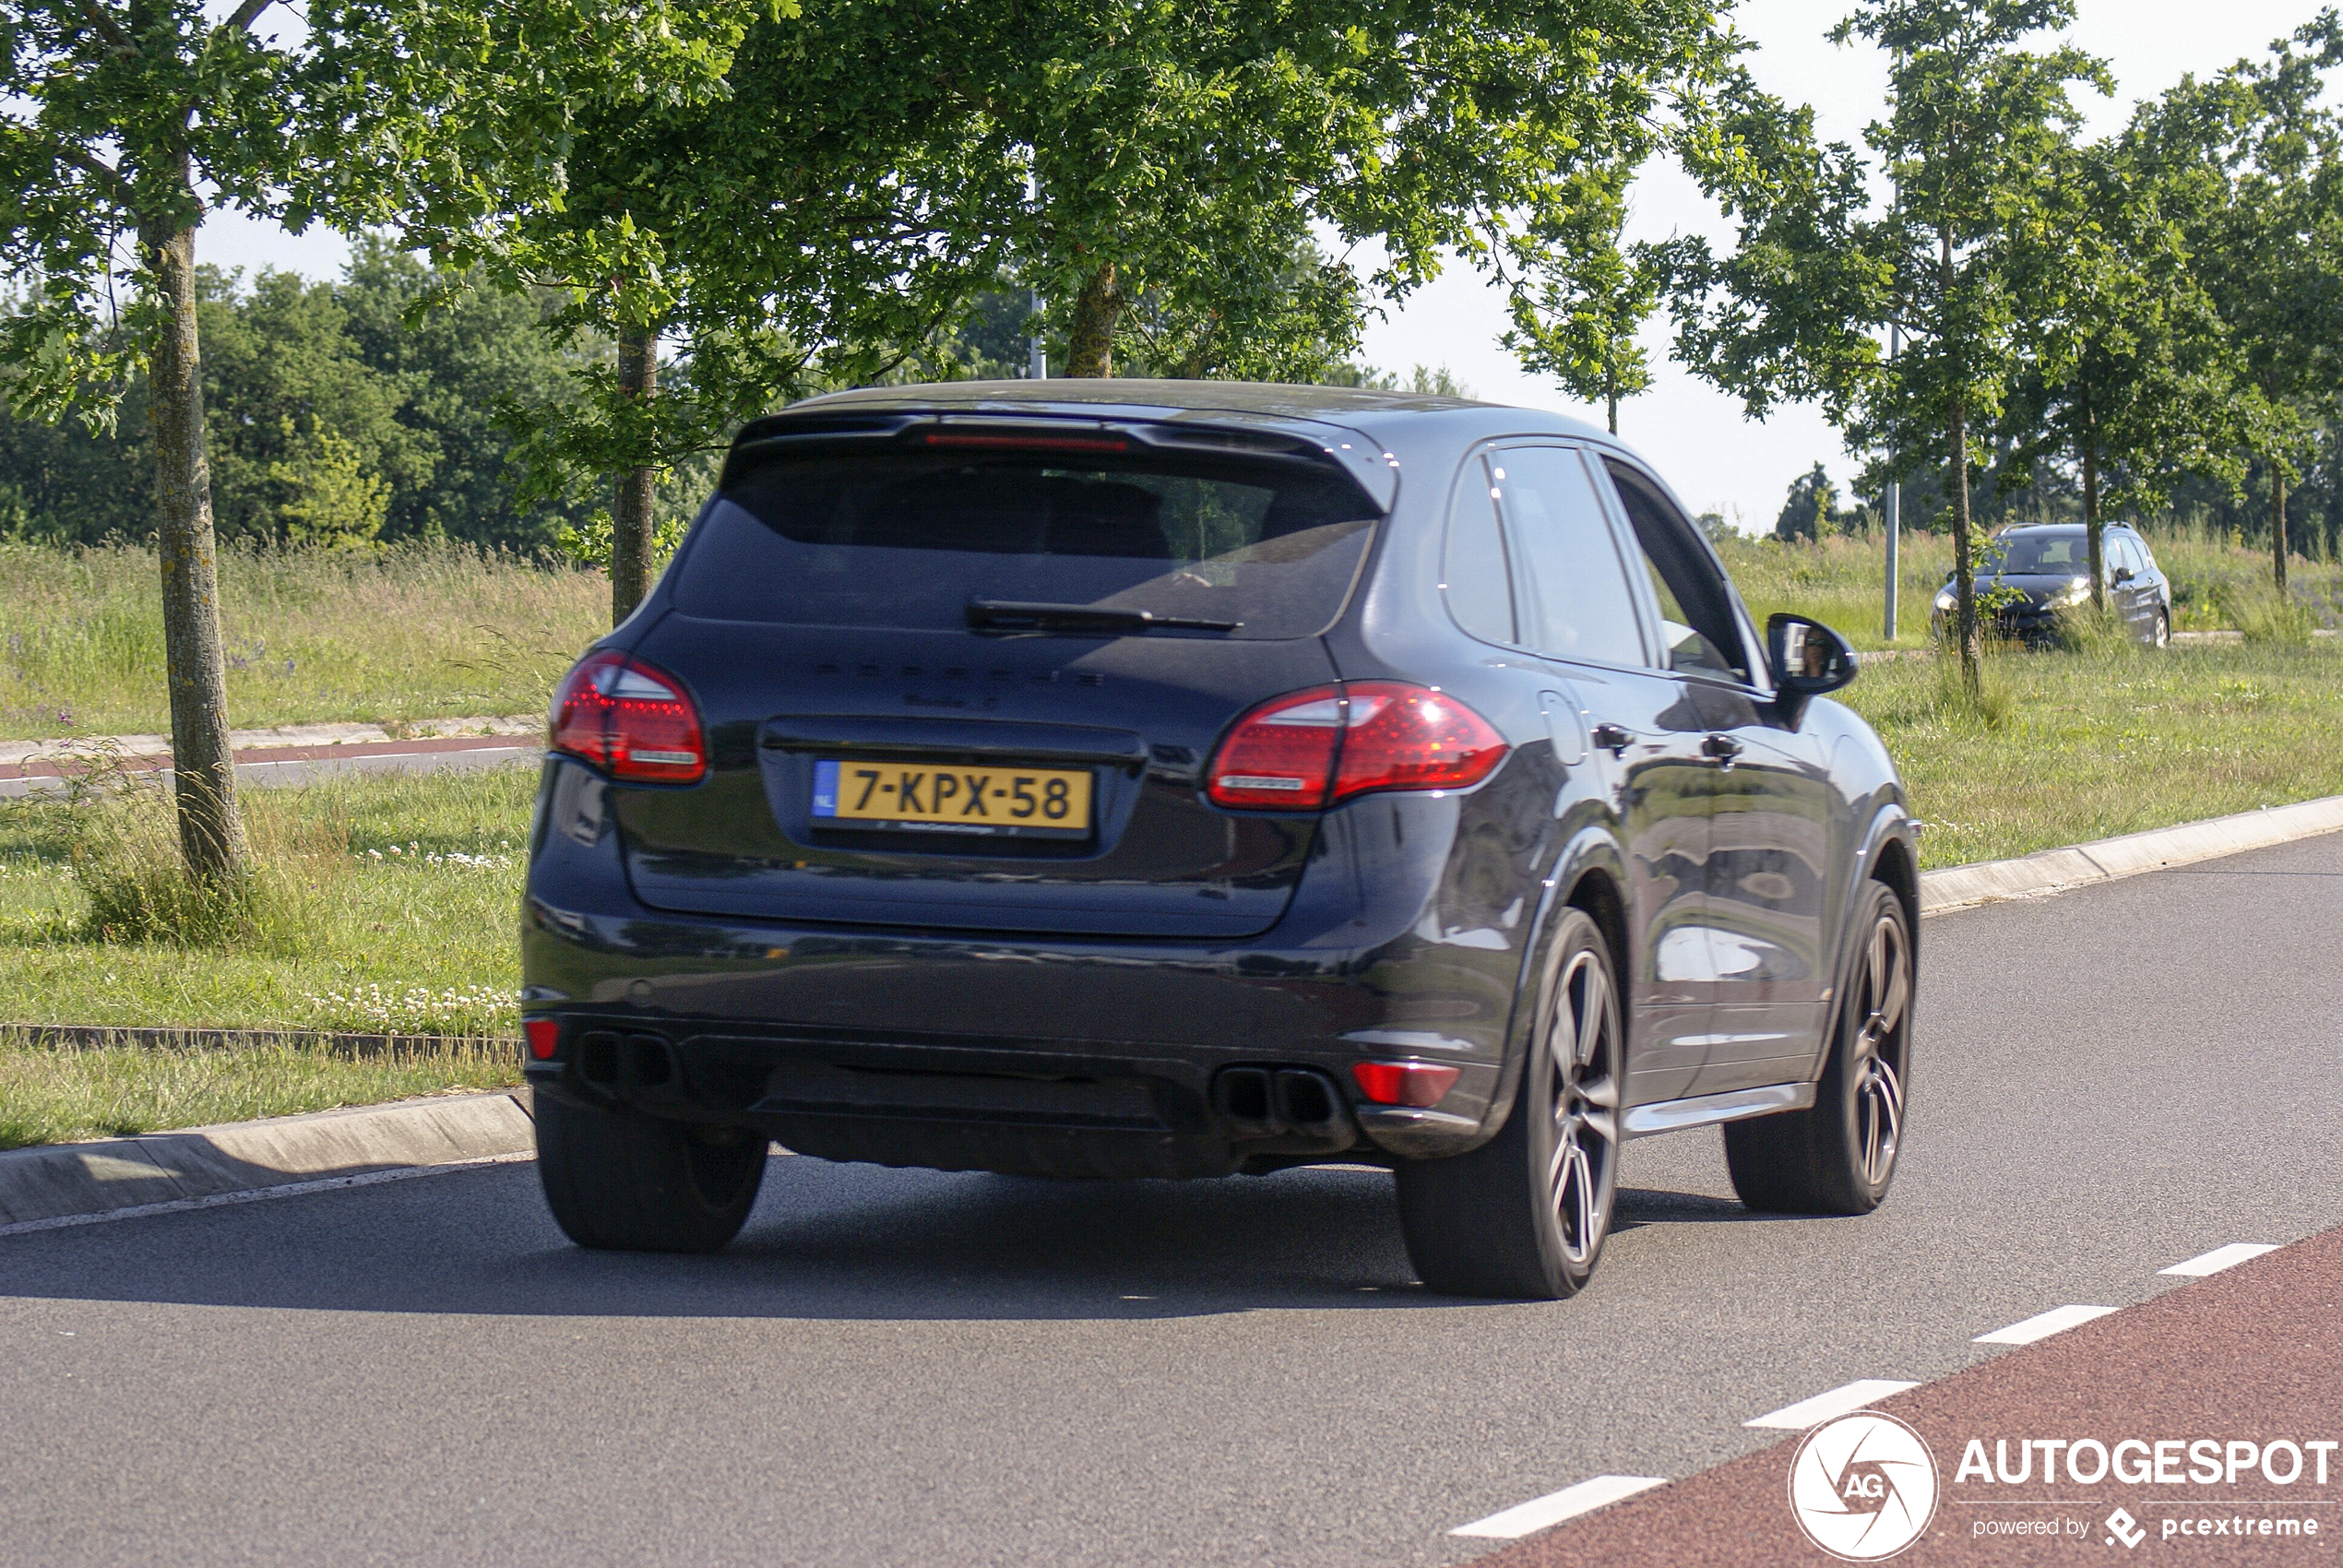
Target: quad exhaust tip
x,y
1273,1102
612,1061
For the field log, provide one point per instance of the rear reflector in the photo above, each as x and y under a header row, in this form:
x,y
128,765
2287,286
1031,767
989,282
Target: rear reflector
x,y
1310,749
544,1037
629,718
1417,1084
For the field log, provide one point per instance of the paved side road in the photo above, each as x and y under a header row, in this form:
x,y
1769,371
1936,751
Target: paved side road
x,y
904,1366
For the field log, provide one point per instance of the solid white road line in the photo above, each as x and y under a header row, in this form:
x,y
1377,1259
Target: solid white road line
x,y
2042,1326
2219,1258
1569,1503
261,1195
1838,1402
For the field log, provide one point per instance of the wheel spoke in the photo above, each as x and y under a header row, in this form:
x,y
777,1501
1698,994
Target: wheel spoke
x,y
1594,1011
1888,1006
1584,1181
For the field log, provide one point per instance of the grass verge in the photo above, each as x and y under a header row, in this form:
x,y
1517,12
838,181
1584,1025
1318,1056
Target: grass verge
x,y
2073,746
53,1094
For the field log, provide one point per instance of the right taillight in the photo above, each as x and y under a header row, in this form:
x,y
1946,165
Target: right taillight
x,y
630,719
1308,750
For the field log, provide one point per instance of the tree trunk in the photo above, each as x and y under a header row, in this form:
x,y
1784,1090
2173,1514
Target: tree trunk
x,y
2278,525
1963,558
2091,528
1610,394
630,514
211,832
1090,348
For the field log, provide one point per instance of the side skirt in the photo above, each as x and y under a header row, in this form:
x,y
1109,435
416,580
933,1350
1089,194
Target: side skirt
x,y
1706,1111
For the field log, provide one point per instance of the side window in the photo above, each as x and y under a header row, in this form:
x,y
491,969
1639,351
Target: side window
x,y
1698,624
1480,587
2146,556
2128,554
1580,607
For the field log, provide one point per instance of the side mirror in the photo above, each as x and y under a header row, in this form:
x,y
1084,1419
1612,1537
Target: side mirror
x,y
1809,660
2124,574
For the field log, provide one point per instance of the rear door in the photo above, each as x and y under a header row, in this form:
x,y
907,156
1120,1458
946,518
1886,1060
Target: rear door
x,y
1643,731
930,700
1766,881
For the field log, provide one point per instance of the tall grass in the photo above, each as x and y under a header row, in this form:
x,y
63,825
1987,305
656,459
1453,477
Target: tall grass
x,y
418,632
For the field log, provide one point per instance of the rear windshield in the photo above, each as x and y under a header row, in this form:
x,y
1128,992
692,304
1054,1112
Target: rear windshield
x,y
907,539
2038,554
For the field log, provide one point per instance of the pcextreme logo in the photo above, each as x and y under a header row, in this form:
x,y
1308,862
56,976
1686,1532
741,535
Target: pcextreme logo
x,y
1863,1487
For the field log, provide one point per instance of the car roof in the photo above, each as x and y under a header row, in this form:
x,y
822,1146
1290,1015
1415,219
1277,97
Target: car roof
x,y
2060,528
1087,397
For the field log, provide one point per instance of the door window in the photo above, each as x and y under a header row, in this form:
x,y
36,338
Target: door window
x,y
1699,631
1579,604
1479,585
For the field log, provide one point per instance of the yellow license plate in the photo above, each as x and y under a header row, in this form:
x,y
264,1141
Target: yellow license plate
x,y
1002,802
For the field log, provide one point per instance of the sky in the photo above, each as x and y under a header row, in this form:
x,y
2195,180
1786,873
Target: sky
x,y
1697,437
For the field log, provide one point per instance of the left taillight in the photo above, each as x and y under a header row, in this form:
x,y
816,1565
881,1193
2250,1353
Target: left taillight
x,y
632,719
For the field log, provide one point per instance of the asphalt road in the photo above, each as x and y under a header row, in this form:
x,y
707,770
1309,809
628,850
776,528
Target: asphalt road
x,y
897,1367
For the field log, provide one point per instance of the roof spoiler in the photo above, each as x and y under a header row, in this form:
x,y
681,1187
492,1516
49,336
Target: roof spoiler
x,y
1212,434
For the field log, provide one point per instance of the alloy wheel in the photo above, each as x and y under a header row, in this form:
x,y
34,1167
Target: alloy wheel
x,y
1585,1043
1884,1005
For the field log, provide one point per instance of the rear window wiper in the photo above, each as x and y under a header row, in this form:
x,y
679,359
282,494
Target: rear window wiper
x,y
1010,615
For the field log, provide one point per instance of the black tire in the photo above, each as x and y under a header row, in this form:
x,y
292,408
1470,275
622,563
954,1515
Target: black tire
x,y
620,1180
1524,1217
1840,1156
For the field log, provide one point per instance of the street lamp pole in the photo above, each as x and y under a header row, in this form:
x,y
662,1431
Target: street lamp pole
x,y
1895,504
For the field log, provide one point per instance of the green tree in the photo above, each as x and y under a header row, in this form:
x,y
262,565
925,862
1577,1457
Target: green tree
x,y
1588,297
1811,513
2272,253
124,118
2122,349
823,221
1972,143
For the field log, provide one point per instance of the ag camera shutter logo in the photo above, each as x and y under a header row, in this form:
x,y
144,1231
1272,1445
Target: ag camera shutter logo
x,y
1863,1487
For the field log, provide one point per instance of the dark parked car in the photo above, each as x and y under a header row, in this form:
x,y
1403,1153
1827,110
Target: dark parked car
x,y
2044,567
1126,778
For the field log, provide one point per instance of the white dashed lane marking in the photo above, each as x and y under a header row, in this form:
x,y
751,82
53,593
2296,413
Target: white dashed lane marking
x,y
2042,1326
1529,1517
2219,1258
1838,1402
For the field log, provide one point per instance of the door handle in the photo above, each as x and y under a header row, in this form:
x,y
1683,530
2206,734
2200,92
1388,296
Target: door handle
x,y
1613,737
1722,749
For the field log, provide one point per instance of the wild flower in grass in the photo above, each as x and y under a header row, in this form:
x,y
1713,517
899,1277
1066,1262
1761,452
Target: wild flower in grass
x,y
417,1009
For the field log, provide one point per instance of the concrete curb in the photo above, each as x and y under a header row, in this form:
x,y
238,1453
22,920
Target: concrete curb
x,y
357,1047
62,1184
2079,865
15,753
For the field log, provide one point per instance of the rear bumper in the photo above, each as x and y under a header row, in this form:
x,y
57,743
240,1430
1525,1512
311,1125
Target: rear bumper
x,y
1059,1057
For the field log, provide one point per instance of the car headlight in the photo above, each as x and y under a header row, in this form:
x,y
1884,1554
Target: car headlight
x,y
1945,599
2072,593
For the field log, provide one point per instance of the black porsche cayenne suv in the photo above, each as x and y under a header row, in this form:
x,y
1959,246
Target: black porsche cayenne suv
x,y
1123,779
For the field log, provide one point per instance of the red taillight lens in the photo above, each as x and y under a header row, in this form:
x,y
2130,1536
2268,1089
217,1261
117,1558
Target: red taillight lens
x,y
631,719
1312,749
1417,1084
1281,755
544,1037
1404,736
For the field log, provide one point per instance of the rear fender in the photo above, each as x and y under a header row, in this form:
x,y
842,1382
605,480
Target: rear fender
x,y
1888,834
1592,851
